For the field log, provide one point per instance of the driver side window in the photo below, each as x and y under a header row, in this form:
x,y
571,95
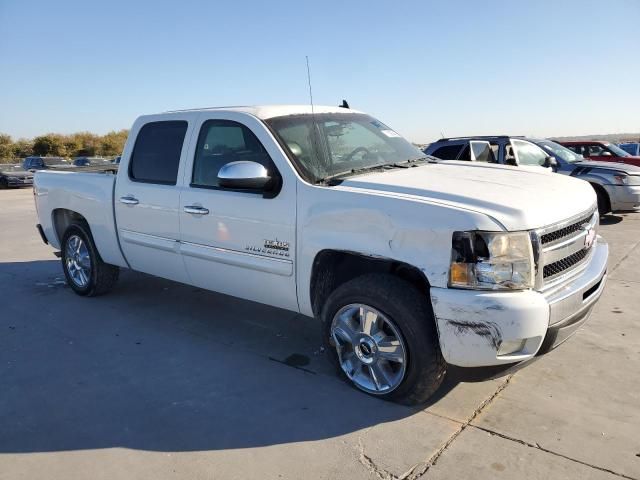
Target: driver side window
x,y
221,142
596,151
528,154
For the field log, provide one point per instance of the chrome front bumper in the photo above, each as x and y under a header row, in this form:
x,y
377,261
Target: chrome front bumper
x,y
571,305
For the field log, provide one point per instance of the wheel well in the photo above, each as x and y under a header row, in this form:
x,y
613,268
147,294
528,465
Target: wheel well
x,y
62,218
332,268
600,190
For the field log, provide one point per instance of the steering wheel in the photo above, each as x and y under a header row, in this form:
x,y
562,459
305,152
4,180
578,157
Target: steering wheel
x,y
357,150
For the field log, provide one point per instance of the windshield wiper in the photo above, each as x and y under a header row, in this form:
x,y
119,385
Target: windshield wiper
x,y
337,177
425,158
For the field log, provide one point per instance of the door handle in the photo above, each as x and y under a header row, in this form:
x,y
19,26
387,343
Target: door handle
x,y
129,200
196,210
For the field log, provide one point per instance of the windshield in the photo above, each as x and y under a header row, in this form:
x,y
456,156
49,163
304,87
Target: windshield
x,y
617,150
343,142
559,151
54,161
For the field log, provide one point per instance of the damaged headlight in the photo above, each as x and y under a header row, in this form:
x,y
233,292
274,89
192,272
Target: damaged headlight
x,y
492,261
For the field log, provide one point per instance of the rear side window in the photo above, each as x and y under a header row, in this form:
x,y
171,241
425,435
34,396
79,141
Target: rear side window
x,y
482,152
156,154
221,142
448,152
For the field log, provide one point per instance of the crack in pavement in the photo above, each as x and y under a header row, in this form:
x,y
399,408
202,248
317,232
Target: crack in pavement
x,y
419,469
370,465
537,446
626,255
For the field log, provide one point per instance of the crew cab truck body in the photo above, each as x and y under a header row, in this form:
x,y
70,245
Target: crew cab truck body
x,y
617,186
408,264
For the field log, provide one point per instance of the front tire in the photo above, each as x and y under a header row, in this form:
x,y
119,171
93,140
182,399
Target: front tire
x,y
380,333
604,205
86,273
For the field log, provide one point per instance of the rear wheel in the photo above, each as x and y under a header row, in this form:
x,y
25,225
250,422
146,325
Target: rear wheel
x,y
4,183
86,273
380,333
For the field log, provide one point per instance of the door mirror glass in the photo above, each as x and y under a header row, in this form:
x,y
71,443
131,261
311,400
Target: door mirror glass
x,y
243,175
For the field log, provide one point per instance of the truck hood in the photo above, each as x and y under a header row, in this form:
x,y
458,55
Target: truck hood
x,y
517,199
618,166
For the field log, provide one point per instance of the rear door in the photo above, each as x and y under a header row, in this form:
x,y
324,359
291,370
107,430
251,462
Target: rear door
x,y
147,196
241,243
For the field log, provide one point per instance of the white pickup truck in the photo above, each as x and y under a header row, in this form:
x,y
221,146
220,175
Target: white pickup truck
x,y
410,265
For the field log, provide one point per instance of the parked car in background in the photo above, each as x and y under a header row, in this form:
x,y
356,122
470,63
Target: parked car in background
x,y
408,264
45,163
631,148
87,161
14,176
617,186
602,151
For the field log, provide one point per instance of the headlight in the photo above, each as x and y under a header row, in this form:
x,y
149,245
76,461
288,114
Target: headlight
x,y
492,261
622,179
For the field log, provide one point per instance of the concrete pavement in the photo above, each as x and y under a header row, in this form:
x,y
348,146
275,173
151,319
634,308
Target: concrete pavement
x,y
161,380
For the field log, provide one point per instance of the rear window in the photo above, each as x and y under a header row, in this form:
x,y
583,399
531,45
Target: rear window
x,y
448,152
156,154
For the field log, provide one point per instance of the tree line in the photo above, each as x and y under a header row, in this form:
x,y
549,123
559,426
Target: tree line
x,y
58,145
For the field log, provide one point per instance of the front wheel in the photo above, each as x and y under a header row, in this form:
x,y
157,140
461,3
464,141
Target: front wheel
x,y
86,273
604,205
380,333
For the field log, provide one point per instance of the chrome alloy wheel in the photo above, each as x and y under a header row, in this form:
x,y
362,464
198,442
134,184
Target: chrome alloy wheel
x,y
370,348
78,261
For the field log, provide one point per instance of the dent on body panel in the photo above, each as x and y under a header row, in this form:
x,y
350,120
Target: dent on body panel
x,y
471,325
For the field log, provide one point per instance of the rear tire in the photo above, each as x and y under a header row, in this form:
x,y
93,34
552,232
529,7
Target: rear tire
x,y
401,360
86,273
4,184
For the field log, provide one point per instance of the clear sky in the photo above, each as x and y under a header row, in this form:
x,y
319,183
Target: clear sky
x,y
563,67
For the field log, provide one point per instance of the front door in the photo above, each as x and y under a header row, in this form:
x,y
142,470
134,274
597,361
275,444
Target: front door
x,y
238,242
147,199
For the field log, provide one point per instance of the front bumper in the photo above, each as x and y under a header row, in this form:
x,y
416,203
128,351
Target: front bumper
x,y
475,326
623,197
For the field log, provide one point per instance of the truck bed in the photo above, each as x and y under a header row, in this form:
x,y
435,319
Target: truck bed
x,y
89,194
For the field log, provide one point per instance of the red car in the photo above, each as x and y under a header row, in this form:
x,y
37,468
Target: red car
x,y
601,151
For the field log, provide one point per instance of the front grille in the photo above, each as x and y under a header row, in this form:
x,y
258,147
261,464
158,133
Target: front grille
x,y
560,266
566,231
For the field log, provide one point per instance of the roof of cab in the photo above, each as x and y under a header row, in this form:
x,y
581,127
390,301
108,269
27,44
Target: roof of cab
x,y
270,111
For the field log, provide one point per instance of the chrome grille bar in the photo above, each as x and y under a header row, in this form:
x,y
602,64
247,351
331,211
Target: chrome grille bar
x,y
565,248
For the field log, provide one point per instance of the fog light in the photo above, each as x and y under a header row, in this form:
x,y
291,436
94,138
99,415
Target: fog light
x,y
511,346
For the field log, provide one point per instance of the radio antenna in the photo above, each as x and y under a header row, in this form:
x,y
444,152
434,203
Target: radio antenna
x,y
309,82
315,128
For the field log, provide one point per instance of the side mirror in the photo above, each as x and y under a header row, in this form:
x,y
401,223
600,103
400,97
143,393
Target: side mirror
x,y
550,162
606,154
243,175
